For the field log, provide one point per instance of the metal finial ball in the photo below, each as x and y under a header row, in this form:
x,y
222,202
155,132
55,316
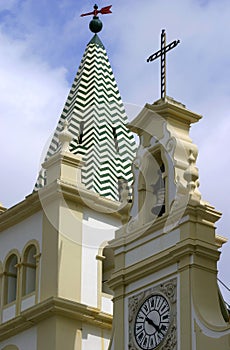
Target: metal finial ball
x,y
95,25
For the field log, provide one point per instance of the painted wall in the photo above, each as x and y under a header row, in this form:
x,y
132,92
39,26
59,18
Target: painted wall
x,y
98,229
18,235
94,338
26,340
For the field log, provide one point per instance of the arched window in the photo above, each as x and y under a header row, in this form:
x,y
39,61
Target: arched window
x,y
107,269
29,270
11,279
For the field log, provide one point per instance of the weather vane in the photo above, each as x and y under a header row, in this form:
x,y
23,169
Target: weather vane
x,y
104,10
162,54
96,25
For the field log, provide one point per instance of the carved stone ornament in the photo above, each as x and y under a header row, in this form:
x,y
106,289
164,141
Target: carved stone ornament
x,y
125,200
169,291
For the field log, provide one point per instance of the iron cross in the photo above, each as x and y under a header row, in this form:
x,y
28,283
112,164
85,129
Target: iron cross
x,y
162,54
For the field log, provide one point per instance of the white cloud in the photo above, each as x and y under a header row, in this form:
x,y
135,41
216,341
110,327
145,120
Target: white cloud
x,y
31,97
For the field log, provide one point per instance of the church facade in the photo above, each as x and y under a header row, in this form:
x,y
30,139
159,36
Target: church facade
x,y
114,249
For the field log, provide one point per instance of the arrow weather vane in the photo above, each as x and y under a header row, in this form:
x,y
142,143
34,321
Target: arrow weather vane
x,y
104,10
162,54
95,24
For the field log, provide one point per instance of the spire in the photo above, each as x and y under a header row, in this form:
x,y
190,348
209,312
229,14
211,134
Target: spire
x,y
97,120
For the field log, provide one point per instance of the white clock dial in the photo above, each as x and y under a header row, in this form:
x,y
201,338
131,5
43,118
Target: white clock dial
x,y
152,322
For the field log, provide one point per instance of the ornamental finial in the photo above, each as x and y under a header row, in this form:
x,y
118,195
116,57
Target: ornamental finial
x,y
65,137
95,24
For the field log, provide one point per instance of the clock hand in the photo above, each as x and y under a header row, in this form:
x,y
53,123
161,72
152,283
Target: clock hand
x,y
153,324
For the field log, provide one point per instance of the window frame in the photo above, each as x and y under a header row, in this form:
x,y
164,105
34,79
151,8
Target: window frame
x,y
6,274
25,266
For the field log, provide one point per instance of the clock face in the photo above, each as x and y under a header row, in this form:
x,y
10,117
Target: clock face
x,y
152,322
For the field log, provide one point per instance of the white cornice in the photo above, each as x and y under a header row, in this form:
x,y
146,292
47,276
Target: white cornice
x,y
34,202
80,195
170,110
30,205
55,306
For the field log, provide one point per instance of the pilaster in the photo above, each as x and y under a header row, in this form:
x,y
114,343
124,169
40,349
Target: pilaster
x,y
62,225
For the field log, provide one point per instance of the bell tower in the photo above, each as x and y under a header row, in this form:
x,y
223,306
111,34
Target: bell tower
x,y
165,277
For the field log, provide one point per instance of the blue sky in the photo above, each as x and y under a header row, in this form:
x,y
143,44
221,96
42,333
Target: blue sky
x,y
42,43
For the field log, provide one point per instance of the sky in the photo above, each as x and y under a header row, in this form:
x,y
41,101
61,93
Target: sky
x,y
41,46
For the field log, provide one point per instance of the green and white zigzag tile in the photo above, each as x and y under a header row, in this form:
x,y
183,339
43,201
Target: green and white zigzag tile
x,y
97,119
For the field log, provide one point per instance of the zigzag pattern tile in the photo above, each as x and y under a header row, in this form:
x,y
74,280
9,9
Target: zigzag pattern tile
x,y
107,146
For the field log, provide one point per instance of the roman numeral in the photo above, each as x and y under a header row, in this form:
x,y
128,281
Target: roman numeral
x,y
146,307
141,316
139,327
152,341
145,342
164,307
165,317
140,337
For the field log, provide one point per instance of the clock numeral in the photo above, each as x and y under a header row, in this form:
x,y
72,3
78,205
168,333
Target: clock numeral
x,y
159,337
158,302
145,342
139,327
165,317
140,337
164,307
141,316
152,303
146,307
152,342
163,328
